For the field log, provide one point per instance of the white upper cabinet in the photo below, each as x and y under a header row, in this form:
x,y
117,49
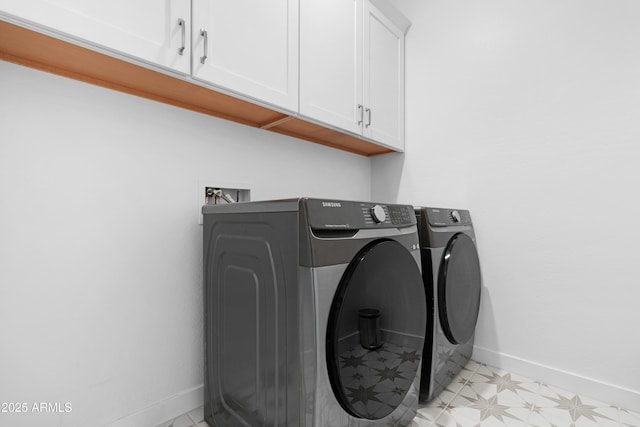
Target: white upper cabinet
x,y
383,78
338,64
352,67
249,47
331,62
148,30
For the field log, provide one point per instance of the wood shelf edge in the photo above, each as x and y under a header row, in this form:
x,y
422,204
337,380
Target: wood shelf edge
x,y
302,129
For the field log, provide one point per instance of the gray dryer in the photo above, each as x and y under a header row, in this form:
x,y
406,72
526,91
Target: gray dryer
x,y
451,271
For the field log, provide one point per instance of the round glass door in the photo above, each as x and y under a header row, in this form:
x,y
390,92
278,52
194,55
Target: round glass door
x,y
459,284
376,328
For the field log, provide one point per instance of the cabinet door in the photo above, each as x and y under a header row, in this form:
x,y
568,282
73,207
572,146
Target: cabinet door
x,y
249,47
331,62
383,78
147,30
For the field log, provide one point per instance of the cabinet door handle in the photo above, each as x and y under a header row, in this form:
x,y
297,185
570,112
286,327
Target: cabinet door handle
x,y
368,117
361,114
183,30
204,34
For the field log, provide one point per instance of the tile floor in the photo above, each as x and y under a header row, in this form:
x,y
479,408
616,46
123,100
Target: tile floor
x,y
193,418
484,396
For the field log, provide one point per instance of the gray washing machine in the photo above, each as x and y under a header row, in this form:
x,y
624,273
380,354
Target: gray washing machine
x,y
451,271
314,314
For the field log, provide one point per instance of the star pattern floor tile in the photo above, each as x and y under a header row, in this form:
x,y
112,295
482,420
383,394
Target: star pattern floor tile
x,y
493,397
482,396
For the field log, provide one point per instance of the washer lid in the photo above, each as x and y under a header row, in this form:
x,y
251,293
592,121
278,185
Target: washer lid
x,y
459,284
372,360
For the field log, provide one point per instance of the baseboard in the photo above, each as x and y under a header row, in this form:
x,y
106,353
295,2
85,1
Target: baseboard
x,y
604,392
164,410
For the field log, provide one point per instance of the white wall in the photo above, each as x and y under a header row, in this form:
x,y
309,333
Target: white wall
x,y
528,114
100,247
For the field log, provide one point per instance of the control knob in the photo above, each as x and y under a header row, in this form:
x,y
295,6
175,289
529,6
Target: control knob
x,y
378,214
455,216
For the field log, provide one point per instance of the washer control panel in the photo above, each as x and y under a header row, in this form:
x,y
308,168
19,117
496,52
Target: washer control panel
x,y
338,214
